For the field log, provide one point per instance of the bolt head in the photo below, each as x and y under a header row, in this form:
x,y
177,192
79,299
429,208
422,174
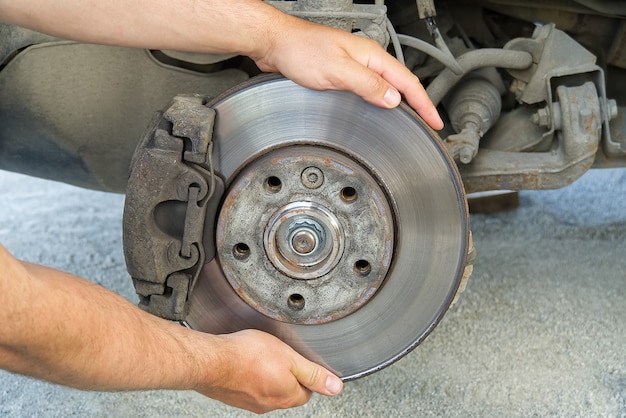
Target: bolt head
x,y
312,177
303,241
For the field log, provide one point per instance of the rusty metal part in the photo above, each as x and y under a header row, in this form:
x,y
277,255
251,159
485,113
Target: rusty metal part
x,y
369,20
329,247
422,188
578,137
560,60
467,271
426,8
565,132
171,203
614,142
528,135
473,107
555,54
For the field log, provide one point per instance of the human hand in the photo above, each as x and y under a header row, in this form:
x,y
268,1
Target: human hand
x,y
324,58
262,374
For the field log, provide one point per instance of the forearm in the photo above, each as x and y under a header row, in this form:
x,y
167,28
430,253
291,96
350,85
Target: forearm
x,y
63,329
212,26
58,327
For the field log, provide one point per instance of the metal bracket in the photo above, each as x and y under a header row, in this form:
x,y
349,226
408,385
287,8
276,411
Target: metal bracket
x,y
369,20
170,206
576,145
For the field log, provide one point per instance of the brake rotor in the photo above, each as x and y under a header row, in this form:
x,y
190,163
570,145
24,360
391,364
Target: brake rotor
x,y
343,230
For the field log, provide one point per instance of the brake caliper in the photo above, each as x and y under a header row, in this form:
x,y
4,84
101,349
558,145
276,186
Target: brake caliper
x,y
172,197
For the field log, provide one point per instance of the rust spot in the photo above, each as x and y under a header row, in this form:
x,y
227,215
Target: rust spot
x,y
286,160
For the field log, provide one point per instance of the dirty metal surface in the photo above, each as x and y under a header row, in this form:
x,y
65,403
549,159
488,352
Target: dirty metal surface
x,y
578,130
305,235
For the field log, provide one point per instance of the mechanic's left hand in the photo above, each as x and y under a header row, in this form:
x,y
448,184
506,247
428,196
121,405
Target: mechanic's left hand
x,y
260,373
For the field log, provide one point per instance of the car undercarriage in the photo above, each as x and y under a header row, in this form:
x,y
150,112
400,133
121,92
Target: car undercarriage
x,y
342,228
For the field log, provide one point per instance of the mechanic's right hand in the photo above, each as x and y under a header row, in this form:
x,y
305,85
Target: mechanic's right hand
x,y
262,373
323,58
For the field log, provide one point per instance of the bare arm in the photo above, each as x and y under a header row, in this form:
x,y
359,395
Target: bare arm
x,y
64,329
312,55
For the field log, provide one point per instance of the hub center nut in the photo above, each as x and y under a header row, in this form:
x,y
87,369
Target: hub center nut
x,y
304,240
306,237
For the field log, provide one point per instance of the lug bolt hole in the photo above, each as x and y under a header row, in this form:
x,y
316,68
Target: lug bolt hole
x,y
241,251
273,184
362,267
296,301
348,194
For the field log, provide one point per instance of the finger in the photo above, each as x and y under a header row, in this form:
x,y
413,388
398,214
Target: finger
x,y
418,99
367,83
402,79
316,378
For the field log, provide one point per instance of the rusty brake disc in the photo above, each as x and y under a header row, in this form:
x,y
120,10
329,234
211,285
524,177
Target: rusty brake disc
x,y
343,229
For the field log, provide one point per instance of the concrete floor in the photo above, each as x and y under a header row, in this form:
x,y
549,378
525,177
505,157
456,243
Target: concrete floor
x,y
540,330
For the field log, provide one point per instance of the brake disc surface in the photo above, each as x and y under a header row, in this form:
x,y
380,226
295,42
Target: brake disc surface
x,y
343,231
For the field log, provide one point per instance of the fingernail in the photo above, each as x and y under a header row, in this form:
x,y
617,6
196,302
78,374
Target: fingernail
x,y
439,123
392,97
333,384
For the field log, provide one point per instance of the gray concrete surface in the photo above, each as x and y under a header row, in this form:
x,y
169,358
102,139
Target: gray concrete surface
x,y
540,331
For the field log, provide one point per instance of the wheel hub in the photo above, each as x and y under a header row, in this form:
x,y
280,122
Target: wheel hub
x,y
303,240
328,246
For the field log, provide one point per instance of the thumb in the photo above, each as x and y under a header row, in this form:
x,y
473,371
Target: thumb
x,y
316,378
